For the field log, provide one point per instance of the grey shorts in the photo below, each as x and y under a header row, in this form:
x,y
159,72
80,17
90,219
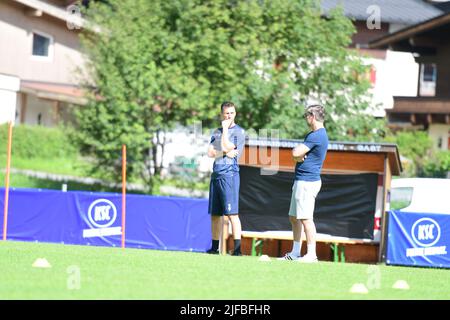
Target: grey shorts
x,y
303,198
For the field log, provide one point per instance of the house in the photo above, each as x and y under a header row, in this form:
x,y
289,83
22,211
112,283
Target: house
x,y
40,48
429,109
392,73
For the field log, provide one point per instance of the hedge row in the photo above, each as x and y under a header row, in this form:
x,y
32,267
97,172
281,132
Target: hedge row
x,y
38,142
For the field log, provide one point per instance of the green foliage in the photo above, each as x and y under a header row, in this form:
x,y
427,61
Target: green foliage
x,y
422,160
157,63
38,142
436,166
412,144
23,181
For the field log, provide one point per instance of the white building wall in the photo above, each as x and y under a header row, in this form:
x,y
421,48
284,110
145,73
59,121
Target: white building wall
x,y
439,133
9,86
397,75
36,106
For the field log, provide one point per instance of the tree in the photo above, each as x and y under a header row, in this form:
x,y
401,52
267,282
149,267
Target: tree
x,y
422,159
160,62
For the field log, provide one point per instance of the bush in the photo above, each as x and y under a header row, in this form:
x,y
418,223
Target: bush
x,y
436,166
422,159
38,142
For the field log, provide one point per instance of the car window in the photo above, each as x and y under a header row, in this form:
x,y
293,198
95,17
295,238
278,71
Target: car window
x,y
401,197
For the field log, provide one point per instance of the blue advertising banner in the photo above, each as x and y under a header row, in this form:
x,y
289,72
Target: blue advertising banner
x,y
88,218
418,239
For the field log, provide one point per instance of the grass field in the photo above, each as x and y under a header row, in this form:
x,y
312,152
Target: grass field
x,y
84,272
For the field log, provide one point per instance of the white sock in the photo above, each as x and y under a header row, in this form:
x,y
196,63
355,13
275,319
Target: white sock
x,y
311,250
296,248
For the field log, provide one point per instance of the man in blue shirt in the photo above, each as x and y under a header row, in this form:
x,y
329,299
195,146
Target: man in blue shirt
x,y
309,157
226,147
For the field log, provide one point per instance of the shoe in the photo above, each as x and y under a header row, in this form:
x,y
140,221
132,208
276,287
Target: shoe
x,y
308,259
289,256
236,254
212,251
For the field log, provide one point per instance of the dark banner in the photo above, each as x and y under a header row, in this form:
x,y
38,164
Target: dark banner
x,y
345,205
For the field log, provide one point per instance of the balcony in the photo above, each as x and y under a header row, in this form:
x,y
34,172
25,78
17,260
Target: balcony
x,y
416,111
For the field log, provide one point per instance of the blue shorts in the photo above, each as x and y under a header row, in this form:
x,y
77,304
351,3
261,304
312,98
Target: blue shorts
x,y
224,195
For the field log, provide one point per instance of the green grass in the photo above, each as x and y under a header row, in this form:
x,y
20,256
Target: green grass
x,y
23,181
74,166
113,273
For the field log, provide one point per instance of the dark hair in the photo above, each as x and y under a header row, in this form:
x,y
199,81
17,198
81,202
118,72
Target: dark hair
x,y
317,110
226,104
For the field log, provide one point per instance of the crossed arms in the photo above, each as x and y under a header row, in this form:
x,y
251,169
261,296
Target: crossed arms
x,y
213,153
299,152
228,148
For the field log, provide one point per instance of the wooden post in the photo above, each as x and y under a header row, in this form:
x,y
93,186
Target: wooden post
x,y
23,107
8,168
384,218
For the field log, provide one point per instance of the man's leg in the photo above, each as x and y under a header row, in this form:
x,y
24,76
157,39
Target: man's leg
x,y
216,223
296,227
224,234
310,231
237,230
297,233
310,191
216,218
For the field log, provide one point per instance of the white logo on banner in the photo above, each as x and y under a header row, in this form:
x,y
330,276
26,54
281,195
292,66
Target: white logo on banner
x,y
425,232
102,213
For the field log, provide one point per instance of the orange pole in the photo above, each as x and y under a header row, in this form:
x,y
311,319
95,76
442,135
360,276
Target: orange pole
x,y
124,183
8,167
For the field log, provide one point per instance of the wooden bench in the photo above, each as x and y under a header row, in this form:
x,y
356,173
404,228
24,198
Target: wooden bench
x,y
336,243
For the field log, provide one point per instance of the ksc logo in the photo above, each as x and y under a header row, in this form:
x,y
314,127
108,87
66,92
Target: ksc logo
x,y
426,232
102,213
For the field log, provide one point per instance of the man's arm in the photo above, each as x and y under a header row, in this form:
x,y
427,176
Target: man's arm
x,y
213,153
225,143
299,152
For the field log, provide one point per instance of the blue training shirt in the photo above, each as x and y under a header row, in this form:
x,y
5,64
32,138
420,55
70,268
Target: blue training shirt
x,y
226,166
317,142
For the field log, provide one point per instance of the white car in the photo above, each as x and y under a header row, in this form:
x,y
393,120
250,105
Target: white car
x,y
424,195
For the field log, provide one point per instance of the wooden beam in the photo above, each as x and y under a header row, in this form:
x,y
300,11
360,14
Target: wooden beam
x,y
417,41
335,160
56,111
413,118
429,118
408,32
31,12
23,107
447,119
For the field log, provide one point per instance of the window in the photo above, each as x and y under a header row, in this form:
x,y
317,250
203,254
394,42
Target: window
x,y
401,197
428,74
42,45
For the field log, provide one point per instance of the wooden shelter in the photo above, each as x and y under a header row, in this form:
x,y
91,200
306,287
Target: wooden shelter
x,y
342,158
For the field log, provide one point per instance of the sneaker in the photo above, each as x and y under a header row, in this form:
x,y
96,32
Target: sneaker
x,y
236,254
212,251
308,259
288,256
